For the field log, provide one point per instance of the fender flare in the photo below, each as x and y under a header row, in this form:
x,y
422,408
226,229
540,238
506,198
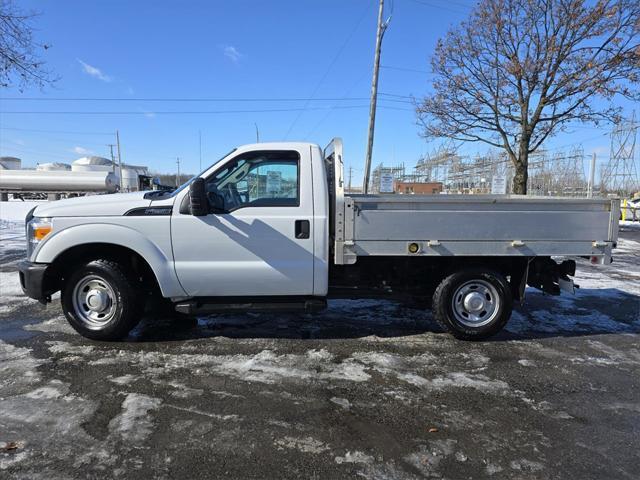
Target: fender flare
x,y
119,235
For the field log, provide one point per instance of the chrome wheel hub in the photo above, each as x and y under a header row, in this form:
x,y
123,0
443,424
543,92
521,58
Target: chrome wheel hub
x,y
475,303
97,300
94,302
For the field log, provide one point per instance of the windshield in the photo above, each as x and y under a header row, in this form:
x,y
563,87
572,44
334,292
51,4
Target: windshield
x,y
173,193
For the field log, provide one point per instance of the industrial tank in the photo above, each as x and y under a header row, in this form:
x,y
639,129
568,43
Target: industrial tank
x,y
57,181
10,163
129,181
92,164
54,166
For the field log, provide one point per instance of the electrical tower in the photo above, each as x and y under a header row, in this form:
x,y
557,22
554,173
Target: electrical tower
x,y
620,175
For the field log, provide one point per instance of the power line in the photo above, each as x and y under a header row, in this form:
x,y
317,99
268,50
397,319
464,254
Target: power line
x,y
53,131
326,73
183,99
408,97
195,99
435,5
51,139
578,142
188,112
404,69
324,118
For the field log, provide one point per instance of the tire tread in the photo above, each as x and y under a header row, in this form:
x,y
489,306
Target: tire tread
x,y
126,287
441,304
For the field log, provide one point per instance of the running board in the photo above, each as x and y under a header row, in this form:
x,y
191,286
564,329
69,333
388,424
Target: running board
x,y
195,307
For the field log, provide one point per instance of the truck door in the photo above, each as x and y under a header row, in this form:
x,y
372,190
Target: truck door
x,y
258,238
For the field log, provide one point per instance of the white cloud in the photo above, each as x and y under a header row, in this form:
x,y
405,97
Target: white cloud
x,y
130,91
94,72
232,53
147,113
81,150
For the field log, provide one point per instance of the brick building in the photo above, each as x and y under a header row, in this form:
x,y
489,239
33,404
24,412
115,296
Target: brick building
x,y
417,188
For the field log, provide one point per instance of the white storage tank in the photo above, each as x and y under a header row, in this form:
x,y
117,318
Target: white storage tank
x,y
10,163
57,181
129,180
92,164
53,167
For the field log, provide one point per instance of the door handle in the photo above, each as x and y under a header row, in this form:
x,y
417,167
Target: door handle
x,y
303,228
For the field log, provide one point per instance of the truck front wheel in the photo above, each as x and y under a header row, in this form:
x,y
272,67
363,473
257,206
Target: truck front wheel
x,y
101,301
473,304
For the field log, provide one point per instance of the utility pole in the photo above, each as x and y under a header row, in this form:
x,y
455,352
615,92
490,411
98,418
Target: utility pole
x,y
257,133
119,159
113,160
382,27
592,175
200,147
350,175
178,175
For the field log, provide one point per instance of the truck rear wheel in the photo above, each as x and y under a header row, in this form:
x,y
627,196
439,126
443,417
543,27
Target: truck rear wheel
x,y
473,304
101,301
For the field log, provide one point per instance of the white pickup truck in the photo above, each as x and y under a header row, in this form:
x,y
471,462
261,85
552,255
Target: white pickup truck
x,y
269,227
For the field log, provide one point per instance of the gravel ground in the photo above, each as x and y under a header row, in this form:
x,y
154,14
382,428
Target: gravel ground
x,y
368,388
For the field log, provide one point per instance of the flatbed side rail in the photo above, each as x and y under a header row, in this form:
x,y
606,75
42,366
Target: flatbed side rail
x,y
484,225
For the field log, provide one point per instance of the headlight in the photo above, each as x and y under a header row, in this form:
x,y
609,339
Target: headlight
x,y
37,230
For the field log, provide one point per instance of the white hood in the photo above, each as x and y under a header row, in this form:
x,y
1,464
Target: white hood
x,y
115,204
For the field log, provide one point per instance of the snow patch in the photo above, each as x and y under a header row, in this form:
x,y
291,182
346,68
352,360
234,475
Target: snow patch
x,y
16,211
134,422
526,363
11,292
355,457
18,369
55,389
265,366
305,445
526,465
124,379
7,461
343,402
54,325
465,380
66,347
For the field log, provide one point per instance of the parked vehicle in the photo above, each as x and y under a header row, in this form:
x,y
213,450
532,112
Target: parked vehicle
x,y
269,227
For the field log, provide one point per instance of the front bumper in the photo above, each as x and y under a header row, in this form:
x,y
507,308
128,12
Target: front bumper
x,y
32,280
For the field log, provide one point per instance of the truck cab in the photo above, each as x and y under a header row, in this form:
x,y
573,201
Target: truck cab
x,y
263,235
266,221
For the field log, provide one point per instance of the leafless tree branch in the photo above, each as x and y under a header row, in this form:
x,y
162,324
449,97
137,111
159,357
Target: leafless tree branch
x,y
518,71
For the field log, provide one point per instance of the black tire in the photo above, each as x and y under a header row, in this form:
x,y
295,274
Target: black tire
x,y
491,287
124,302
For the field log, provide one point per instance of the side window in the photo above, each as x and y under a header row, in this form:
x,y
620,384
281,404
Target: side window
x,y
257,179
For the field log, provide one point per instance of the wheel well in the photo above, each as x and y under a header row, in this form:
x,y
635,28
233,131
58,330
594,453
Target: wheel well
x,y
64,263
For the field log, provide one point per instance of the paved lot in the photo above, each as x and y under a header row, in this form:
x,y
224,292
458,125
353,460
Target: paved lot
x,y
368,388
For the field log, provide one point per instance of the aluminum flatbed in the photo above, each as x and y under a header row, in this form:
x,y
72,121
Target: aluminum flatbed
x,y
470,225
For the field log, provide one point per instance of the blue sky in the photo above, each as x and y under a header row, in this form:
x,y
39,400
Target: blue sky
x,y
237,49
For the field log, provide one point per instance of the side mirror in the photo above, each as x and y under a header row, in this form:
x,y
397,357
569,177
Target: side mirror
x,y
198,203
216,201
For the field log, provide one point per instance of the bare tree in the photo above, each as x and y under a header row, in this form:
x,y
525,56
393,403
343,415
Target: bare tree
x,y
20,63
519,71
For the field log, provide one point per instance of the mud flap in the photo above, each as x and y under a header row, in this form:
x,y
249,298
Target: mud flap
x,y
551,277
